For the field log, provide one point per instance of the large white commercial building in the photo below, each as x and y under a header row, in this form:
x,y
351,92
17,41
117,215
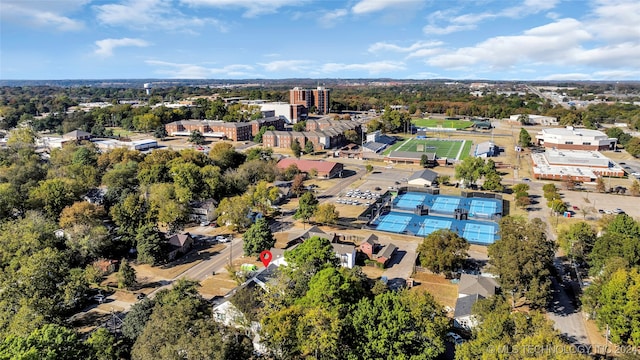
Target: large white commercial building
x,y
571,138
578,165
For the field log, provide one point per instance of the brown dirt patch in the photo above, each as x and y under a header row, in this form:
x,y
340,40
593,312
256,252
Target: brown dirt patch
x,y
442,290
596,339
372,272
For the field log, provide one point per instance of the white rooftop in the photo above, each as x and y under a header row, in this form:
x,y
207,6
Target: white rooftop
x,y
570,131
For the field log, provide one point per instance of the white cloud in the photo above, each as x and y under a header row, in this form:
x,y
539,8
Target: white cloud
x,y
253,7
563,76
617,21
470,21
376,67
151,14
287,65
106,46
43,13
192,71
555,43
383,46
329,18
369,6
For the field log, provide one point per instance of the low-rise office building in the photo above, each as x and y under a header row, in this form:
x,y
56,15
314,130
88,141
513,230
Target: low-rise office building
x,y
583,166
570,138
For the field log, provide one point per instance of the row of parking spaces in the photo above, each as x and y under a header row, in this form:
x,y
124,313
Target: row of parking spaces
x,y
365,195
352,202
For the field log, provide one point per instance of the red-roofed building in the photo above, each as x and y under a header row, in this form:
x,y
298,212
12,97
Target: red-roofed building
x,y
325,169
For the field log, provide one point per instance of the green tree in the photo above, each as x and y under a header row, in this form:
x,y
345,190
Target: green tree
x,y
196,137
300,126
263,195
146,122
150,245
258,238
170,211
492,182
313,254
188,181
424,160
185,329
578,240
137,318
525,139
160,133
49,342
104,346
126,275
352,136
523,119
308,147
516,334
470,170
53,195
225,156
234,211
443,251
369,168
557,206
326,214
522,258
336,289
307,206
520,188
297,186
397,325
296,148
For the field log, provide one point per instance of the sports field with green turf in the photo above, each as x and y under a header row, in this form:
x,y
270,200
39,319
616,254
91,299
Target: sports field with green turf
x,y
449,124
443,148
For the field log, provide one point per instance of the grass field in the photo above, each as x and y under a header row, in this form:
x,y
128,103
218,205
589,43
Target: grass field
x,y
442,148
451,124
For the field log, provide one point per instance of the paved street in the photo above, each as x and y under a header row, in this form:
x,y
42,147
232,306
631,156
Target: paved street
x,y
207,267
567,319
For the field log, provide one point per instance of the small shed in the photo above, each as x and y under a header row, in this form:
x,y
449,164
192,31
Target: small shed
x,y
424,177
77,135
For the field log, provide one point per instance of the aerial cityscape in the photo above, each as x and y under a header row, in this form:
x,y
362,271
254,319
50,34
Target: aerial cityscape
x,y
276,179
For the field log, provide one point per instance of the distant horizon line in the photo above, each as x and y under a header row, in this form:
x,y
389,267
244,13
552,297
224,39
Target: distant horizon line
x,y
4,82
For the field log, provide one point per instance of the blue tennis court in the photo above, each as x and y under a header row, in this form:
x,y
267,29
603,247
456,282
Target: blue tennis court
x,y
482,207
483,233
445,204
409,200
480,233
394,222
431,224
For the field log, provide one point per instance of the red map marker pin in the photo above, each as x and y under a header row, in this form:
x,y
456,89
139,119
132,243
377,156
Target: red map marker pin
x,y
266,257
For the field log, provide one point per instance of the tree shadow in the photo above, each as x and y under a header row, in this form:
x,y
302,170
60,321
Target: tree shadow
x,y
396,258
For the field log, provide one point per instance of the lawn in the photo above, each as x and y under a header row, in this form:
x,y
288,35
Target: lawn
x,y
443,148
434,123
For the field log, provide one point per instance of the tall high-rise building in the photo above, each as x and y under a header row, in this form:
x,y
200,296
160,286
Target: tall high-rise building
x,y
318,97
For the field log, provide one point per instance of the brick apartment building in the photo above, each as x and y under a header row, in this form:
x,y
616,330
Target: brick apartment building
x,y
323,134
236,131
319,97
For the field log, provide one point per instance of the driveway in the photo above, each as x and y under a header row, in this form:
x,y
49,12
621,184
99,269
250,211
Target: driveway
x,y
402,262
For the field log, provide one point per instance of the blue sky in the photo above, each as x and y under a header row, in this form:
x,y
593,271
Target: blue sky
x,y
272,39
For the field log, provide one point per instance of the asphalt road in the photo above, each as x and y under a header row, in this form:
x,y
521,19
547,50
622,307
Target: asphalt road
x,y
207,267
568,320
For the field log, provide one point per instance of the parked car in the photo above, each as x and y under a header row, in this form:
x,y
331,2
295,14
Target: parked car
x,y
222,239
600,211
526,179
205,223
455,338
99,298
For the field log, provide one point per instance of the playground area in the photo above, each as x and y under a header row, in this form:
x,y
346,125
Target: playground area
x,y
450,149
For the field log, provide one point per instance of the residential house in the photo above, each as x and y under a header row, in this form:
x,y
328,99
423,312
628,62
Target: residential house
x,y
325,169
200,211
376,252
471,288
179,244
386,254
346,253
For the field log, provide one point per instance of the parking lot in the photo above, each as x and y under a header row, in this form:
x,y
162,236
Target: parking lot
x,y
592,202
359,197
